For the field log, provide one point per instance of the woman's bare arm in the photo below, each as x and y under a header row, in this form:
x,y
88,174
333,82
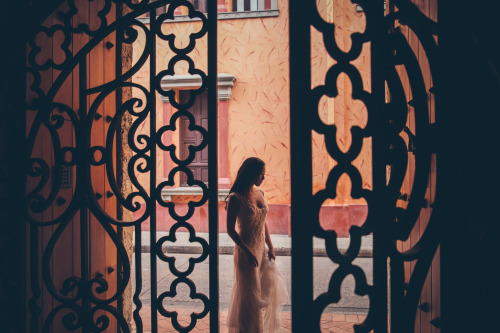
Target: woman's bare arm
x,y
271,253
233,207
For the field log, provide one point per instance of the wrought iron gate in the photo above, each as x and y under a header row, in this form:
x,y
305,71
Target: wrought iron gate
x,y
75,185
398,95
78,119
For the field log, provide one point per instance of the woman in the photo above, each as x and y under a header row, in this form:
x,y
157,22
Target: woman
x,y
250,299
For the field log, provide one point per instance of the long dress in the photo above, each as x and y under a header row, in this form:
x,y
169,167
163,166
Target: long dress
x,y
256,290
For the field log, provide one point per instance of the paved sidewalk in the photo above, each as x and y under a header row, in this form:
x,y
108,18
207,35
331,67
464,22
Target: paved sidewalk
x,y
282,244
330,322
338,319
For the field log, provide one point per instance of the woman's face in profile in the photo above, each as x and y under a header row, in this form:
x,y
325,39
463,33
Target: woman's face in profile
x,y
260,178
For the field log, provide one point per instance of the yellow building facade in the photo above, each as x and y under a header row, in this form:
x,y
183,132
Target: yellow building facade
x,y
254,103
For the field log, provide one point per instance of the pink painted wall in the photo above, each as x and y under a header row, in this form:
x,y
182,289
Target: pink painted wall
x,y
256,52
336,217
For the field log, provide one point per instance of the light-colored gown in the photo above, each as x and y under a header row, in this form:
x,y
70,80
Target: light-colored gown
x,y
258,291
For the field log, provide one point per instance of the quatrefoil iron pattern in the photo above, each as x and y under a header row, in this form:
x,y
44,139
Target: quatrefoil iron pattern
x,y
172,238
386,220
88,302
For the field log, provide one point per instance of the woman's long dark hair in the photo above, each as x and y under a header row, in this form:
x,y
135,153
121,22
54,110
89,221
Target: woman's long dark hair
x,y
248,171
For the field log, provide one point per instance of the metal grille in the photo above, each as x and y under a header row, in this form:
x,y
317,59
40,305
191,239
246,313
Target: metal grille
x,y
75,81
62,197
388,109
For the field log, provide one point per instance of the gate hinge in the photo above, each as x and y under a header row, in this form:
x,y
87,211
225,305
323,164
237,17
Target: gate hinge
x,y
436,322
424,307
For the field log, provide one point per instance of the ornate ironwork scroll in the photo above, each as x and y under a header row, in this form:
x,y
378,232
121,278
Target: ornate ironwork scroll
x,y
420,153
387,118
61,131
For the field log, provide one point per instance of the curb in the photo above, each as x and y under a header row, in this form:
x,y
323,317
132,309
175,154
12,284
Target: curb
x,y
363,253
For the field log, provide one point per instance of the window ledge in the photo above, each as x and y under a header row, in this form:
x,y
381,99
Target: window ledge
x,y
225,82
222,16
249,14
168,193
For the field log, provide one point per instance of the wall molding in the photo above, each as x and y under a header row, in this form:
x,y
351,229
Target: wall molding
x,y
225,83
221,16
168,193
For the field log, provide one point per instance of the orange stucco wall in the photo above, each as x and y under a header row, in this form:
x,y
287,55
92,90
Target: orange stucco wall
x,y
256,52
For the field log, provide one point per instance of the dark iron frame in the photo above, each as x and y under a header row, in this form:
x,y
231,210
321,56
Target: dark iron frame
x,y
83,305
386,123
385,222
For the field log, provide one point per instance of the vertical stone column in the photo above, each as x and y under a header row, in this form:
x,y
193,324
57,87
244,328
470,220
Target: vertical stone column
x,y
124,154
221,6
224,181
224,87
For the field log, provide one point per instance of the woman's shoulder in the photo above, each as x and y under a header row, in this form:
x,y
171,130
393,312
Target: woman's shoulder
x,y
233,201
235,196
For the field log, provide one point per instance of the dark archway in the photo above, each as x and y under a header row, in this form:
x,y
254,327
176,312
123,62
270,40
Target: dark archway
x,y
458,229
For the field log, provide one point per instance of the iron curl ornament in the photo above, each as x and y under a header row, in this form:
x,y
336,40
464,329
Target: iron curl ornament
x,y
88,300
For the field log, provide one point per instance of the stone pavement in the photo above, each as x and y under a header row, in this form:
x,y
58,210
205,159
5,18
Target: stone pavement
x,y
282,244
336,320
330,322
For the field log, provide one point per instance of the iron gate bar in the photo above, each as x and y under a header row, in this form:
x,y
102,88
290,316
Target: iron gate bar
x,y
213,172
381,201
36,290
82,158
152,173
380,206
300,166
306,312
81,169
